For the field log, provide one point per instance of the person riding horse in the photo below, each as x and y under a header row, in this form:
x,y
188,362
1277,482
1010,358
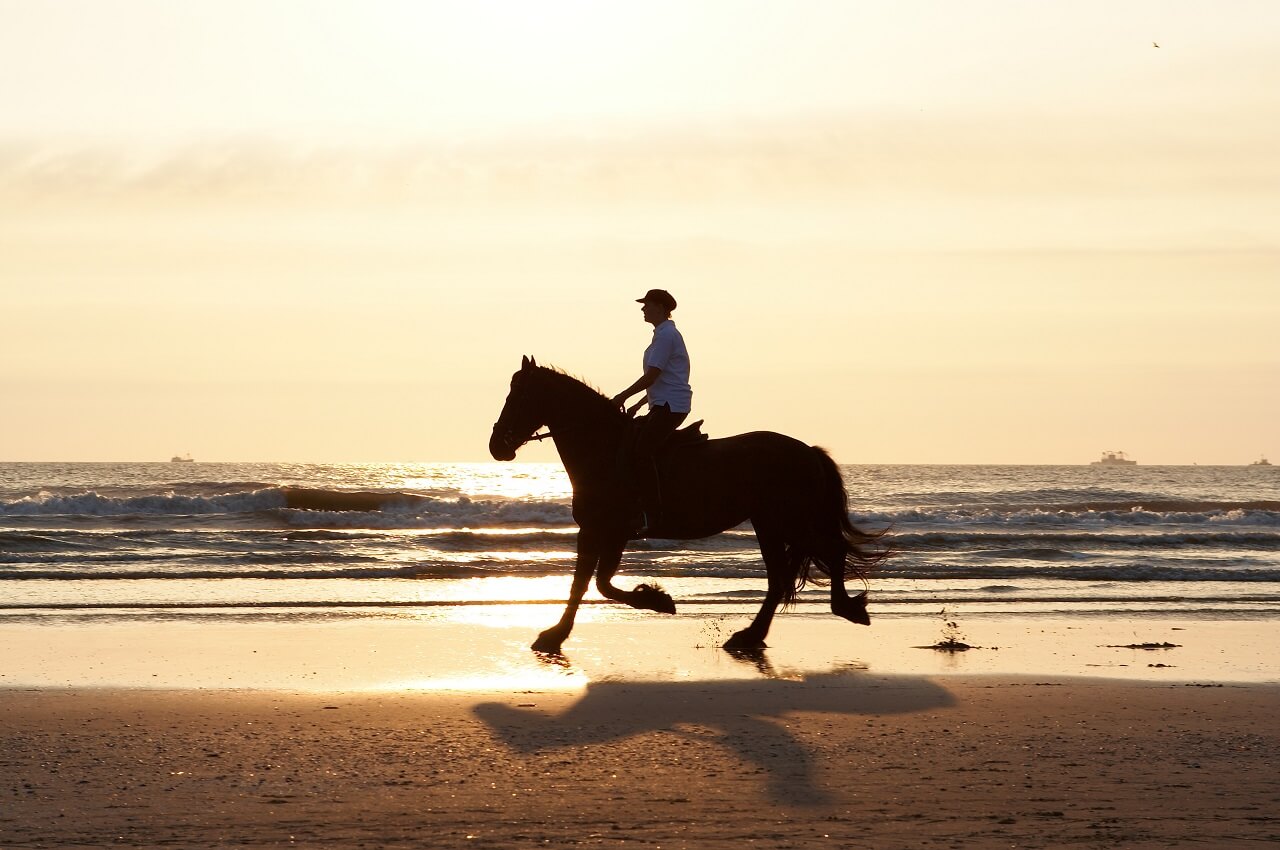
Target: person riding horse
x,y
792,493
669,396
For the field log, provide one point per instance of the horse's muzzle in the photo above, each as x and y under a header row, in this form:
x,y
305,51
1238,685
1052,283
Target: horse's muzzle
x,y
502,446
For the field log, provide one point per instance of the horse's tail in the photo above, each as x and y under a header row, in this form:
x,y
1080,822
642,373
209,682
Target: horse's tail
x,y
858,552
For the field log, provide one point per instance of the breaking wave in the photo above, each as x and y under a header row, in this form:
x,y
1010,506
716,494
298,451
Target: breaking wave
x,y
301,507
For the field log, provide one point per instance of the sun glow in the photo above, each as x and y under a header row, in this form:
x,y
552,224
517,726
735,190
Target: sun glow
x,y
1014,208
548,555
533,617
494,589
542,481
540,65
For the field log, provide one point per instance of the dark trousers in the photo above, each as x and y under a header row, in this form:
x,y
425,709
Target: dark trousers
x,y
652,431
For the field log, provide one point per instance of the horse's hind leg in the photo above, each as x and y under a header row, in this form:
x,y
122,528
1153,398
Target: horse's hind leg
x,y
852,608
781,580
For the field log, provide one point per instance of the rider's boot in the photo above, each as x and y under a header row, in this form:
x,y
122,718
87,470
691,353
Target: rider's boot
x,y
650,516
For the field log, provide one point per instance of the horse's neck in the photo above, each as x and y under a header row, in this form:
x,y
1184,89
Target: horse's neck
x,y
587,455
588,442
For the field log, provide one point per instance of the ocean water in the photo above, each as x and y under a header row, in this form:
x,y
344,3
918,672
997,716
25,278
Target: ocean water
x,y
88,542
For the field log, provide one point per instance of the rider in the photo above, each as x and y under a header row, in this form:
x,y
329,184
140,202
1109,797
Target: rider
x,y
668,394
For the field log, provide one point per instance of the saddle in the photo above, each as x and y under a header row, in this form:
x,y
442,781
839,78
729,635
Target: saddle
x,y
689,435
686,436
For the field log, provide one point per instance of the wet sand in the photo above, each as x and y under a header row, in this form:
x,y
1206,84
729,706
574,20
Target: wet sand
x,y
486,648
841,761
641,738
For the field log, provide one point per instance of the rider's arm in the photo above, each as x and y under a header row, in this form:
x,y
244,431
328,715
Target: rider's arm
x,y
645,381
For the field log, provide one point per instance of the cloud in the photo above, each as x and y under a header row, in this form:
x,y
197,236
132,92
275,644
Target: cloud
x,y
816,162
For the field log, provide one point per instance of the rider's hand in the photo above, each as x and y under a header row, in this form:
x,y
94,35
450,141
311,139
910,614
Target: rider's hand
x,y
619,400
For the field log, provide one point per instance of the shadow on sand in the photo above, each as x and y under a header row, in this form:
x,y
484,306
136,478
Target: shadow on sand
x,y
745,716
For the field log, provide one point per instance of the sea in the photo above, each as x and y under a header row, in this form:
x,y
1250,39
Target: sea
x,y
93,542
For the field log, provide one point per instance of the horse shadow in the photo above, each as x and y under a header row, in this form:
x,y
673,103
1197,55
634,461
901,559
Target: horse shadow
x,y
748,717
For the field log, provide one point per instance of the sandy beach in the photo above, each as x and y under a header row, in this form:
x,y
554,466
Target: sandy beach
x,y
681,746
876,762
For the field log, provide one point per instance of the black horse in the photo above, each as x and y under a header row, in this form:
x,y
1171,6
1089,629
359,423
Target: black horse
x,y
791,492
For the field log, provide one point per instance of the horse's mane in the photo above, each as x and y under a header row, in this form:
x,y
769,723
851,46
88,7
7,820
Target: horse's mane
x,y
576,387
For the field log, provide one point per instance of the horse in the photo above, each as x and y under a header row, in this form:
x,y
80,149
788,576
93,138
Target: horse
x,y
791,492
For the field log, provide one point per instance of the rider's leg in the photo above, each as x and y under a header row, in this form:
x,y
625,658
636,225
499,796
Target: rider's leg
x,y
654,430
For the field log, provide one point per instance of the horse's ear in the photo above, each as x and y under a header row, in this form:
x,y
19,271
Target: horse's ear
x,y
524,362
533,361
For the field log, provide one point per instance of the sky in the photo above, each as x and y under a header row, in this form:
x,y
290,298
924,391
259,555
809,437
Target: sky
x,y
910,232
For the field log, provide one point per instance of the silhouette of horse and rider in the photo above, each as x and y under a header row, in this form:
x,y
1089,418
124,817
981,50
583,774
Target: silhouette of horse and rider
x,y
636,478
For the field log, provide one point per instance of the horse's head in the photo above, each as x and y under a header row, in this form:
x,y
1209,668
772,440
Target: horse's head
x,y
522,414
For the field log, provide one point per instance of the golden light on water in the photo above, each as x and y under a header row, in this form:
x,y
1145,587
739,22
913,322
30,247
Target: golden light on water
x,y
494,532
491,589
526,481
532,672
520,555
525,617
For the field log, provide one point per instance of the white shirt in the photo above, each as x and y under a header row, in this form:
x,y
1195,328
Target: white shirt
x,y
667,352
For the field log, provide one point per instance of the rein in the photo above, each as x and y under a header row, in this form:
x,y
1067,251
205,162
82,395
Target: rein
x,y
537,438
548,434
504,432
532,438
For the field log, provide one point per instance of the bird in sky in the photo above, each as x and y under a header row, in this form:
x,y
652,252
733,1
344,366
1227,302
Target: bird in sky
x,y
1153,44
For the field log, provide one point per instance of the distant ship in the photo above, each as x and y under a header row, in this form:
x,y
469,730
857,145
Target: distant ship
x,y
1114,459
182,459
1262,461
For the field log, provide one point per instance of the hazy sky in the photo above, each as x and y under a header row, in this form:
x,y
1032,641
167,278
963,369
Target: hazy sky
x,y
971,232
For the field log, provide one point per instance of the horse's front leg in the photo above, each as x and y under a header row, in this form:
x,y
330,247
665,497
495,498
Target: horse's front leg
x,y
588,556
649,597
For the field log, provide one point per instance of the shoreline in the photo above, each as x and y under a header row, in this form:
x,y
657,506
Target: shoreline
x,y
474,649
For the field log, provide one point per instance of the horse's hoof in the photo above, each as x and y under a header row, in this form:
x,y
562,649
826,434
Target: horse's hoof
x,y
854,610
744,640
548,644
650,597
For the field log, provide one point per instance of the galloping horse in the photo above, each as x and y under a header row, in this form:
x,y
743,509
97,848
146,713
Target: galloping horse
x,y
791,492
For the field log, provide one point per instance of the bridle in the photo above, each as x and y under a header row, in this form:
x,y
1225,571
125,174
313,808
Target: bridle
x,y
507,434
508,438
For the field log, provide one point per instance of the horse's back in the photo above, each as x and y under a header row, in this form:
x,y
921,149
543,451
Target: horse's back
x,y
752,449
730,480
